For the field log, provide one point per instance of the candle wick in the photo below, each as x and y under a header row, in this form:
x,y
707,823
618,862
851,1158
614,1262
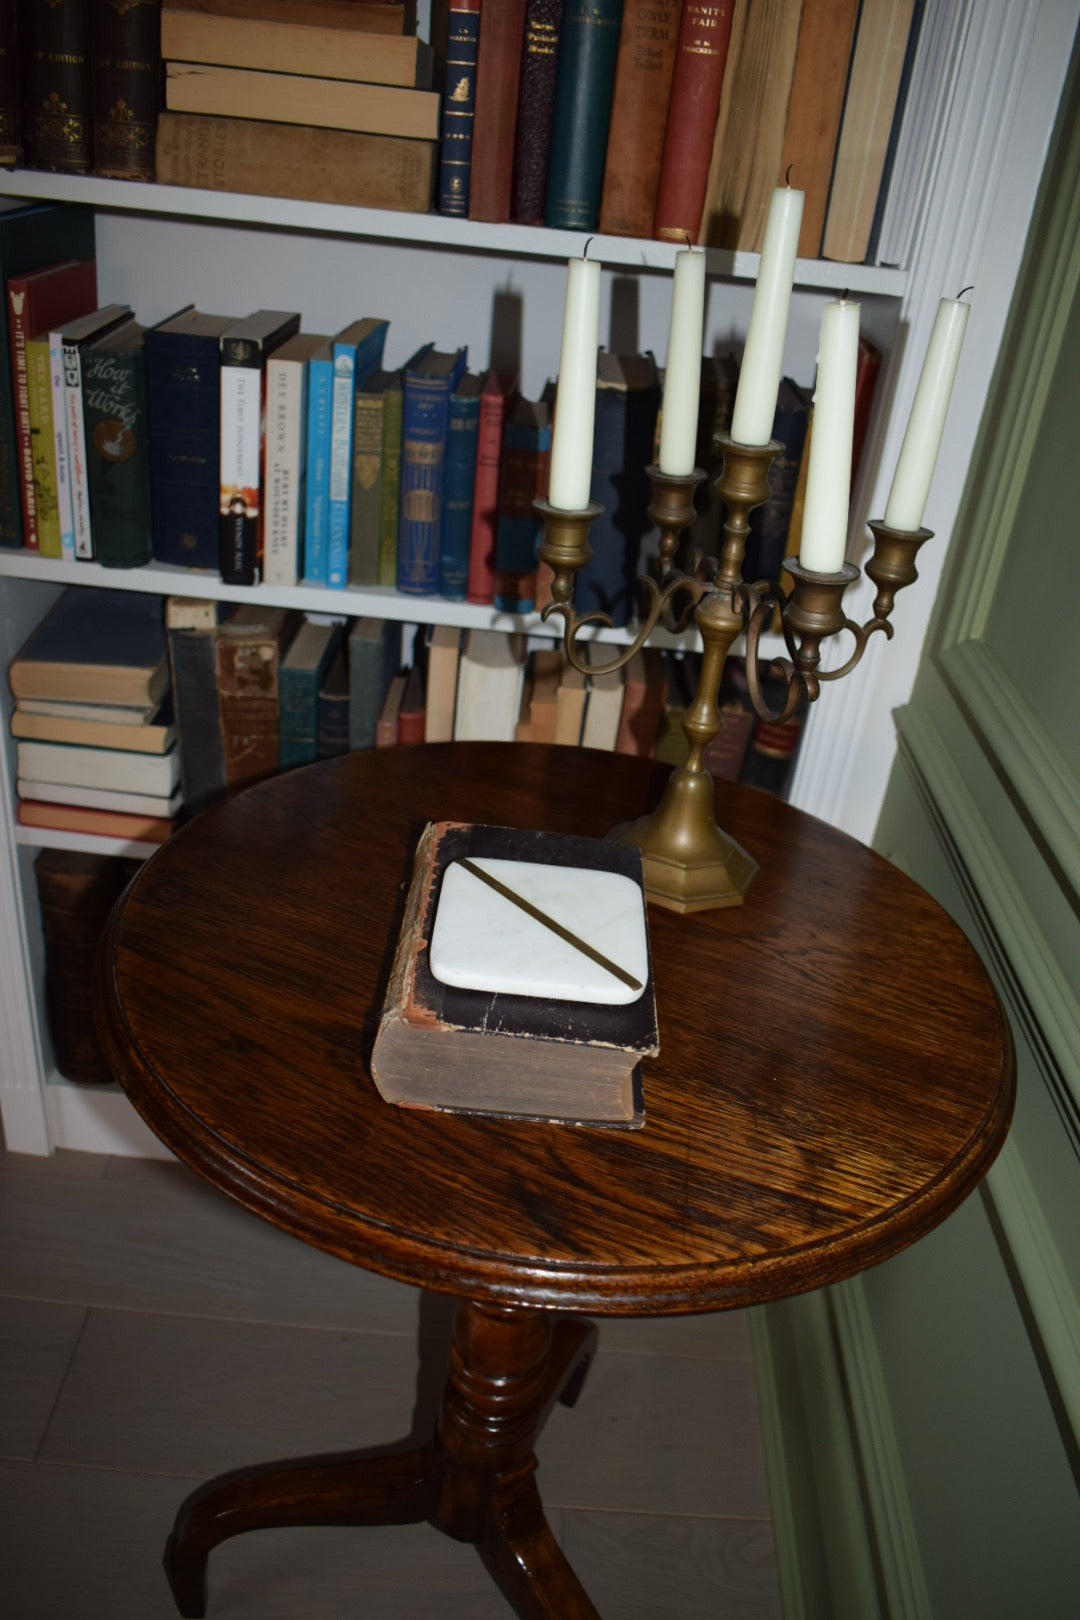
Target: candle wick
x,y
844,296
962,291
585,249
787,176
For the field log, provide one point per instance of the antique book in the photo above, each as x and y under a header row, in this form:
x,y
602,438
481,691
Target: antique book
x,y
300,680
375,17
604,710
75,818
152,736
874,79
386,726
767,538
191,626
193,33
374,647
245,348
66,345
119,770
248,650
535,110
425,423
11,146
286,457
390,472
490,678
826,33
125,86
698,78
295,160
627,402
571,696
443,657
183,386
526,461
521,981
135,804
32,235
411,713
588,49
496,399
498,70
538,713
367,473
55,47
458,106
332,708
357,351
118,446
463,427
294,98
37,301
95,646
639,112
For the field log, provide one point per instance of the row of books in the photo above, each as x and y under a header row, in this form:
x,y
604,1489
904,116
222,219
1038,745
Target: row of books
x,y
675,120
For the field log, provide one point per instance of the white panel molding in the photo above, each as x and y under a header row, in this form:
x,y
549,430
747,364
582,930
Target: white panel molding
x,y
22,1105
98,1119
1013,61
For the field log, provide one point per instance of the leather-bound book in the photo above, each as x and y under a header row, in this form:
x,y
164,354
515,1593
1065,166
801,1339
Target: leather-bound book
x,y
183,367
125,86
458,106
639,112
56,56
248,651
11,147
496,400
588,51
498,68
817,100
536,110
700,63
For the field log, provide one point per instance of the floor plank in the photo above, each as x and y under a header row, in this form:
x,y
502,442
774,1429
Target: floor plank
x,y
37,1342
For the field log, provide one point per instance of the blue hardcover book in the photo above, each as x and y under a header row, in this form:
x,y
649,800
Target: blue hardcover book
x,y
526,455
627,400
461,440
300,678
320,405
588,50
95,646
374,654
458,106
183,386
425,424
357,352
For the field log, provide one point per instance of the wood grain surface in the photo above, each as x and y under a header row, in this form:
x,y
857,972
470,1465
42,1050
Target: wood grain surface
x,y
835,1072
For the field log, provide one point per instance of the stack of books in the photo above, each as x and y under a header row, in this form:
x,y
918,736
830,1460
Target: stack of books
x,y
96,740
319,99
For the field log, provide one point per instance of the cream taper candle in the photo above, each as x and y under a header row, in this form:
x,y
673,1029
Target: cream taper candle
x,y
922,441
828,477
575,395
759,375
682,374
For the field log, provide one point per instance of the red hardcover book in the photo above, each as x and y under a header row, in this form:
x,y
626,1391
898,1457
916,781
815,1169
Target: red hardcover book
x,y
498,70
639,111
495,401
695,101
36,303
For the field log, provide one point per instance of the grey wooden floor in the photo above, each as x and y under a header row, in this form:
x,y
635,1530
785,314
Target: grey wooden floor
x,y
153,1334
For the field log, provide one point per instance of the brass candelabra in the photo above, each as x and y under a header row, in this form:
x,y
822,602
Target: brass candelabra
x,y
690,863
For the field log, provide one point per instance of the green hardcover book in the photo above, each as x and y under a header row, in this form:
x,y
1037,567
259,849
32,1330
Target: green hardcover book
x,y
117,446
300,680
588,51
368,411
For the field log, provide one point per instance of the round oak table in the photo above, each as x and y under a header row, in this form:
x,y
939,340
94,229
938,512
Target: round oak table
x,y
835,1076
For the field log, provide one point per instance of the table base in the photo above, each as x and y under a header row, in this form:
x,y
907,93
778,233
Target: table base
x,y
475,1480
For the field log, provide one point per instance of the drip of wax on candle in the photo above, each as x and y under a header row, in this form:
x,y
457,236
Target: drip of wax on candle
x,y
763,356
823,542
926,425
682,374
570,473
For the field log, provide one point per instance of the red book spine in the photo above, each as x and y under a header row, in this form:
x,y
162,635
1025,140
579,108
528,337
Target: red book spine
x,y
494,405
695,101
498,70
647,45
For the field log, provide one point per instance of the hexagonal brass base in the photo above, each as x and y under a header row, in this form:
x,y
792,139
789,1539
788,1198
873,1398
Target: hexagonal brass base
x,y
688,863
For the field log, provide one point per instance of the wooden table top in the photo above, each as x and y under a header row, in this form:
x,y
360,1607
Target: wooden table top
x,y
835,1074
